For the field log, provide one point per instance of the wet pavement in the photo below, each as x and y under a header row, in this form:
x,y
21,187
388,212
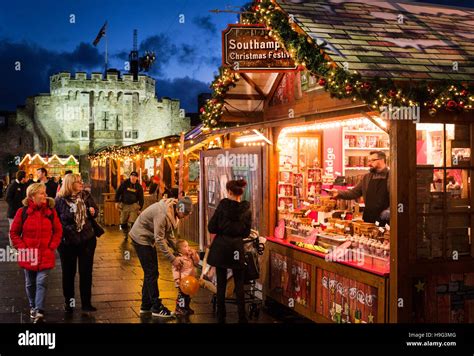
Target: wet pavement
x,y
116,290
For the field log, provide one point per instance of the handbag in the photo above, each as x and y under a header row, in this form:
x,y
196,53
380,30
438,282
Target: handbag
x,y
98,230
252,269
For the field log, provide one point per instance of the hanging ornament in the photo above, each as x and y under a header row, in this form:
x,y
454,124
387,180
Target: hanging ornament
x,y
322,82
451,105
392,93
202,110
349,89
432,112
464,92
366,86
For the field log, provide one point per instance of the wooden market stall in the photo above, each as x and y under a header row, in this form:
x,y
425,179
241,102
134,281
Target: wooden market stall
x,y
55,165
359,91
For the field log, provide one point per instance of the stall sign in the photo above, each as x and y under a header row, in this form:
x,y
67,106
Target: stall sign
x,y
251,48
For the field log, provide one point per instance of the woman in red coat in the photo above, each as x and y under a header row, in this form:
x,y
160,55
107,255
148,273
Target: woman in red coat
x,y
36,233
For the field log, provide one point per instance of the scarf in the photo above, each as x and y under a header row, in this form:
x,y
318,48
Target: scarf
x,y
78,208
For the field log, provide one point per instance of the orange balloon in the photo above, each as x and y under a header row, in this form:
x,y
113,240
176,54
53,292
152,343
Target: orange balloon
x,y
189,285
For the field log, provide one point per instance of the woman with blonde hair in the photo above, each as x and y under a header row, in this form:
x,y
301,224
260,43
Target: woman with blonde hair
x,y
36,233
76,210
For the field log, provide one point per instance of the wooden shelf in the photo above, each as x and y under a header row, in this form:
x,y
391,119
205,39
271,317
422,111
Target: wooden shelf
x,y
367,148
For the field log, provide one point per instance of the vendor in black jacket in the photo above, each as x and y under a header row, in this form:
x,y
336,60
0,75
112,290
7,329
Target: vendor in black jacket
x,y
16,192
231,223
129,200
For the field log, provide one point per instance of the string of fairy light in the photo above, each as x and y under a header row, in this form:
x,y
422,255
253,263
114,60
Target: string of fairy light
x,y
162,149
339,82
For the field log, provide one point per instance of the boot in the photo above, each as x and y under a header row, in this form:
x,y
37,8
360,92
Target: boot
x,y
125,231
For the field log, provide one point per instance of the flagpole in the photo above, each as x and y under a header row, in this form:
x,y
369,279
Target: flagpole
x,y
106,45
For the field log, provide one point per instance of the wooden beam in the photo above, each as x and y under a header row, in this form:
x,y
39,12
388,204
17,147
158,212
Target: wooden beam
x,y
242,117
244,97
274,87
253,84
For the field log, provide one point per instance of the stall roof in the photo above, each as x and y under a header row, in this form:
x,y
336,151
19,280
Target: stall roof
x,y
391,39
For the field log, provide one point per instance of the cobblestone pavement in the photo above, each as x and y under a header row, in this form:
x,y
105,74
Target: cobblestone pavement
x,y
116,291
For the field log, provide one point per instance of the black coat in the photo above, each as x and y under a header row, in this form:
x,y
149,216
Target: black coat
x,y
231,223
16,192
70,234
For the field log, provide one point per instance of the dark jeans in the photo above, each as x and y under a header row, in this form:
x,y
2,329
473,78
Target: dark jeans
x,y
70,255
149,262
238,275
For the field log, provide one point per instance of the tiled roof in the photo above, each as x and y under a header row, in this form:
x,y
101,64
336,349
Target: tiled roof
x,y
368,36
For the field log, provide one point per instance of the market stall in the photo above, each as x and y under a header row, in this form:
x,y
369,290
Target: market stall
x,y
55,165
352,90
325,261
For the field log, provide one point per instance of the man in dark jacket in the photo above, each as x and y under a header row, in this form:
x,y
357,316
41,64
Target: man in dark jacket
x,y
51,185
16,192
129,200
374,188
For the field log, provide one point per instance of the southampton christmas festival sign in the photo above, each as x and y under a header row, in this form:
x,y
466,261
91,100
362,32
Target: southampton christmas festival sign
x,y
251,48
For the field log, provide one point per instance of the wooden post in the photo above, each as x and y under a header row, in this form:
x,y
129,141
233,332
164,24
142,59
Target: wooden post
x,y
181,165
402,219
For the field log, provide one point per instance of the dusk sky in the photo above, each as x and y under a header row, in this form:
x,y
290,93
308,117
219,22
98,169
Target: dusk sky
x,y
39,35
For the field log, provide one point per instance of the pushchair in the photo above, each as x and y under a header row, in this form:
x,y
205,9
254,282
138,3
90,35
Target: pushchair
x,y
254,245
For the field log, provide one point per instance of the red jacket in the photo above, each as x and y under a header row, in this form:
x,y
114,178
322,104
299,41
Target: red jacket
x,y
39,238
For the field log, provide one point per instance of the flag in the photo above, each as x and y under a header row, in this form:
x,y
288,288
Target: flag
x,y
100,34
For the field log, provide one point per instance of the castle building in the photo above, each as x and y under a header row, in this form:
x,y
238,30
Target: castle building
x,y
82,114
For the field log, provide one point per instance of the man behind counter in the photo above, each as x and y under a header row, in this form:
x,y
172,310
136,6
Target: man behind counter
x,y
374,188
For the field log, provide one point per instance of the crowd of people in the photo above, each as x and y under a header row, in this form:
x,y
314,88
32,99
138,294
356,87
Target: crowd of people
x,y
45,216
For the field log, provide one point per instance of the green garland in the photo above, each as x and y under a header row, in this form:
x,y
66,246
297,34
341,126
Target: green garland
x,y
212,110
342,84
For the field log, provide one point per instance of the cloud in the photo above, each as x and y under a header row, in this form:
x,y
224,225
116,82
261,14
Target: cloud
x,y
205,23
37,64
185,89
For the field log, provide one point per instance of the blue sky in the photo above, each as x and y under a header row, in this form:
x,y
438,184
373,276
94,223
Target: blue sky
x,y
39,35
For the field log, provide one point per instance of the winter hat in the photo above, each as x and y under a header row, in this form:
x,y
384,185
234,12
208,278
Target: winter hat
x,y
184,205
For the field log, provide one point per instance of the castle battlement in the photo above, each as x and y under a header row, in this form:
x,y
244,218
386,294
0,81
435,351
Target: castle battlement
x,y
62,82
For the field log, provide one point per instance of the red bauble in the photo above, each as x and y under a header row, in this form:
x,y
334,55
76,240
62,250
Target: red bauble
x,y
464,92
392,93
202,110
451,105
366,86
348,89
322,82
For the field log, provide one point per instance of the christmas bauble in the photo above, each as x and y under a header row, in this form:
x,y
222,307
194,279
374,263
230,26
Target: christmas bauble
x,y
451,105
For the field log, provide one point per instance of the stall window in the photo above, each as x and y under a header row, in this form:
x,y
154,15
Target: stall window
x,y
444,195
74,134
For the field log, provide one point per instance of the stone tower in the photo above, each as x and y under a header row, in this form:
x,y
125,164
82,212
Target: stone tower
x,y
82,114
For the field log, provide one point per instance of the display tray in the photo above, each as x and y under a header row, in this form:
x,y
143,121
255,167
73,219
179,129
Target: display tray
x,y
370,265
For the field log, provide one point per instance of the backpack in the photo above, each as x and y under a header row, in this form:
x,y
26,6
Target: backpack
x,y
24,216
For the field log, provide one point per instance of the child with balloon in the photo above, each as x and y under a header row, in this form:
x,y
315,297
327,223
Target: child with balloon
x,y
184,276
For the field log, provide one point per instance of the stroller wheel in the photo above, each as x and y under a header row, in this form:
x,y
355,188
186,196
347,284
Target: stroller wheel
x,y
214,303
253,310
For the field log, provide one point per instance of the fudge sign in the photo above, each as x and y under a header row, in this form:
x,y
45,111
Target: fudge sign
x,y
250,47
